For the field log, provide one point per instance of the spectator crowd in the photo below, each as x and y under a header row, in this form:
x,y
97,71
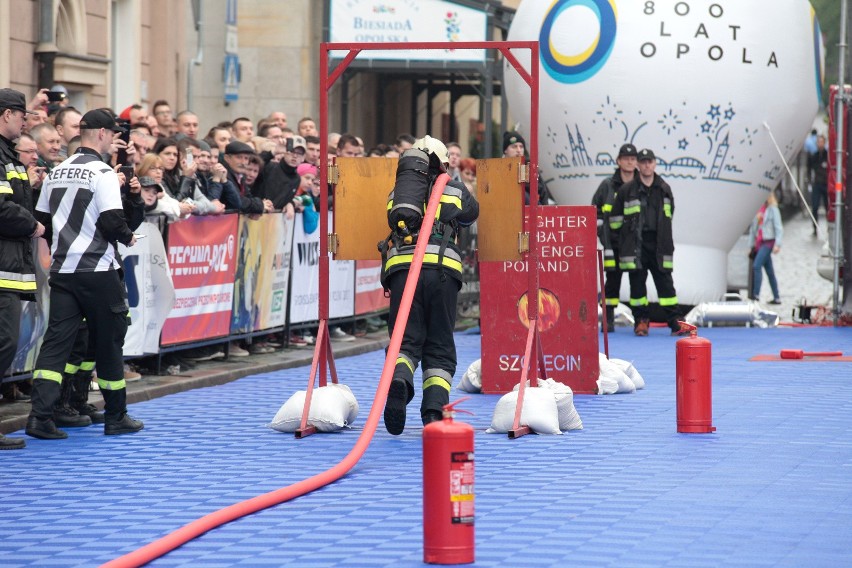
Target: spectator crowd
x,y
185,168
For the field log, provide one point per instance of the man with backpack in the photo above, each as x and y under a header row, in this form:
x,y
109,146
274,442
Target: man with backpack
x,y
429,331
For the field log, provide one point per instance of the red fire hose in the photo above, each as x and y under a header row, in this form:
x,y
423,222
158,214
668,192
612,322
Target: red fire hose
x,y
218,518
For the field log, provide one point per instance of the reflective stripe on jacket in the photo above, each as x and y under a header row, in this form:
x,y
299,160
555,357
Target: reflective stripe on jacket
x,y
628,206
17,223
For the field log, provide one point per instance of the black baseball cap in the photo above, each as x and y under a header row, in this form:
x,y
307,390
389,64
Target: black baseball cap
x,y
646,155
627,150
14,100
100,118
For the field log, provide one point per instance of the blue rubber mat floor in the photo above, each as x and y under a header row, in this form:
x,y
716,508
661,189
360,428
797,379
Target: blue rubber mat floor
x,y
772,487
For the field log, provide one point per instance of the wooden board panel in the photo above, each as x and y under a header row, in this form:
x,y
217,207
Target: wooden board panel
x,y
360,206
501,205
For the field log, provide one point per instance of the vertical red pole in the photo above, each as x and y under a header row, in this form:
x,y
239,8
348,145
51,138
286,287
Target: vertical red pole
x,y
532,270
323,260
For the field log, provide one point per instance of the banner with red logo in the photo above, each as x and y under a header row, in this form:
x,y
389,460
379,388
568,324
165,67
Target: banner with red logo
x,y
202,258
369,294
567,305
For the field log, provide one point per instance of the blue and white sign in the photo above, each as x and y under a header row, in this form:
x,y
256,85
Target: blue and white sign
x,y
232,77
373,21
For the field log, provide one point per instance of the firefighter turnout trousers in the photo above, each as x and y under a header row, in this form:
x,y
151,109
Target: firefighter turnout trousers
x,y
428,335
100,298
662,281
10,323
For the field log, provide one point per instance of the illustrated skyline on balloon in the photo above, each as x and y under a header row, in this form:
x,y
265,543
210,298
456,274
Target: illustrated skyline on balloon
x,y
705,84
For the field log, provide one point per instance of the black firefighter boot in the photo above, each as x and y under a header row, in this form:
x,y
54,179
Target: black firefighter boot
x,y
117,421
400,393
40,423
610,319
12,443
435,397
63,414
80,397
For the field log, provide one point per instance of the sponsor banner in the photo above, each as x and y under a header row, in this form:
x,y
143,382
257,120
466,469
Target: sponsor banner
x,y
150,293
202,258
263,273
373,21
304,297
33,314
369,294
567,305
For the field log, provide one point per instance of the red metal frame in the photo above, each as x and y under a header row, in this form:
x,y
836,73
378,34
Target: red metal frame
x,y
322,352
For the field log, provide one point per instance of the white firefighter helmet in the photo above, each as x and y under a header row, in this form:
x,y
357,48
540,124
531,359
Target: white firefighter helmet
x,y
433,146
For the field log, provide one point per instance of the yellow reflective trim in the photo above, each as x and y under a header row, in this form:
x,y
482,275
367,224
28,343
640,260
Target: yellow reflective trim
x,y
16,175
111,385
609,264
87,366
612,301
451,200
405,362
49,375
16,285
71,369
427,259
437,382
5,189
639,301
668,301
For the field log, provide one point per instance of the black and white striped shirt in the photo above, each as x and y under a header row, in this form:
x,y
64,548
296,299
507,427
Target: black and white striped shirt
x,y
75,194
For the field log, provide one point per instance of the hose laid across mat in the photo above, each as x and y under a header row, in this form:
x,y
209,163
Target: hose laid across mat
x,y
218,518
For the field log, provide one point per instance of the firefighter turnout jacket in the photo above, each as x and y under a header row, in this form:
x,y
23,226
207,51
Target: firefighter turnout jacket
x,y
646,213
608,228
457,208
17,224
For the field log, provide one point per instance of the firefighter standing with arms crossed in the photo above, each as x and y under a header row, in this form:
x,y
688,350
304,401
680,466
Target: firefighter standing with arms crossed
x,y
608,227
431,322
647,243
18,228
81,205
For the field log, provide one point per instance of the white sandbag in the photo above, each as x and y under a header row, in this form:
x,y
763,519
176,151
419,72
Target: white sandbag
x,y
350,399
330,410
471,381
610,374
630,371
569,418
539,412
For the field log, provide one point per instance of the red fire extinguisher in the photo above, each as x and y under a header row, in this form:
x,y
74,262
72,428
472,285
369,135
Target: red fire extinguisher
x,y
448,533
694,388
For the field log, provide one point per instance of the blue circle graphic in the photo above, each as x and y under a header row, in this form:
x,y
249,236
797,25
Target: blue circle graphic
x,y
576,69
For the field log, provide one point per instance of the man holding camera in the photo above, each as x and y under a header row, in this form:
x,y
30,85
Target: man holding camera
x,y
279,180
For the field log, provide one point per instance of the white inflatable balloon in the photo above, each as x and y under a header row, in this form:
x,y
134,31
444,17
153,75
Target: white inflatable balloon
x,y
700,82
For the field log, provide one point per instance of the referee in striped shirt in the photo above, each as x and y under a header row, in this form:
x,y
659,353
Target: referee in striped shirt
x,y
80,206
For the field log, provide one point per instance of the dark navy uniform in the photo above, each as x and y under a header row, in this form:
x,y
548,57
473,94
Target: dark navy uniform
x,y
428,337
